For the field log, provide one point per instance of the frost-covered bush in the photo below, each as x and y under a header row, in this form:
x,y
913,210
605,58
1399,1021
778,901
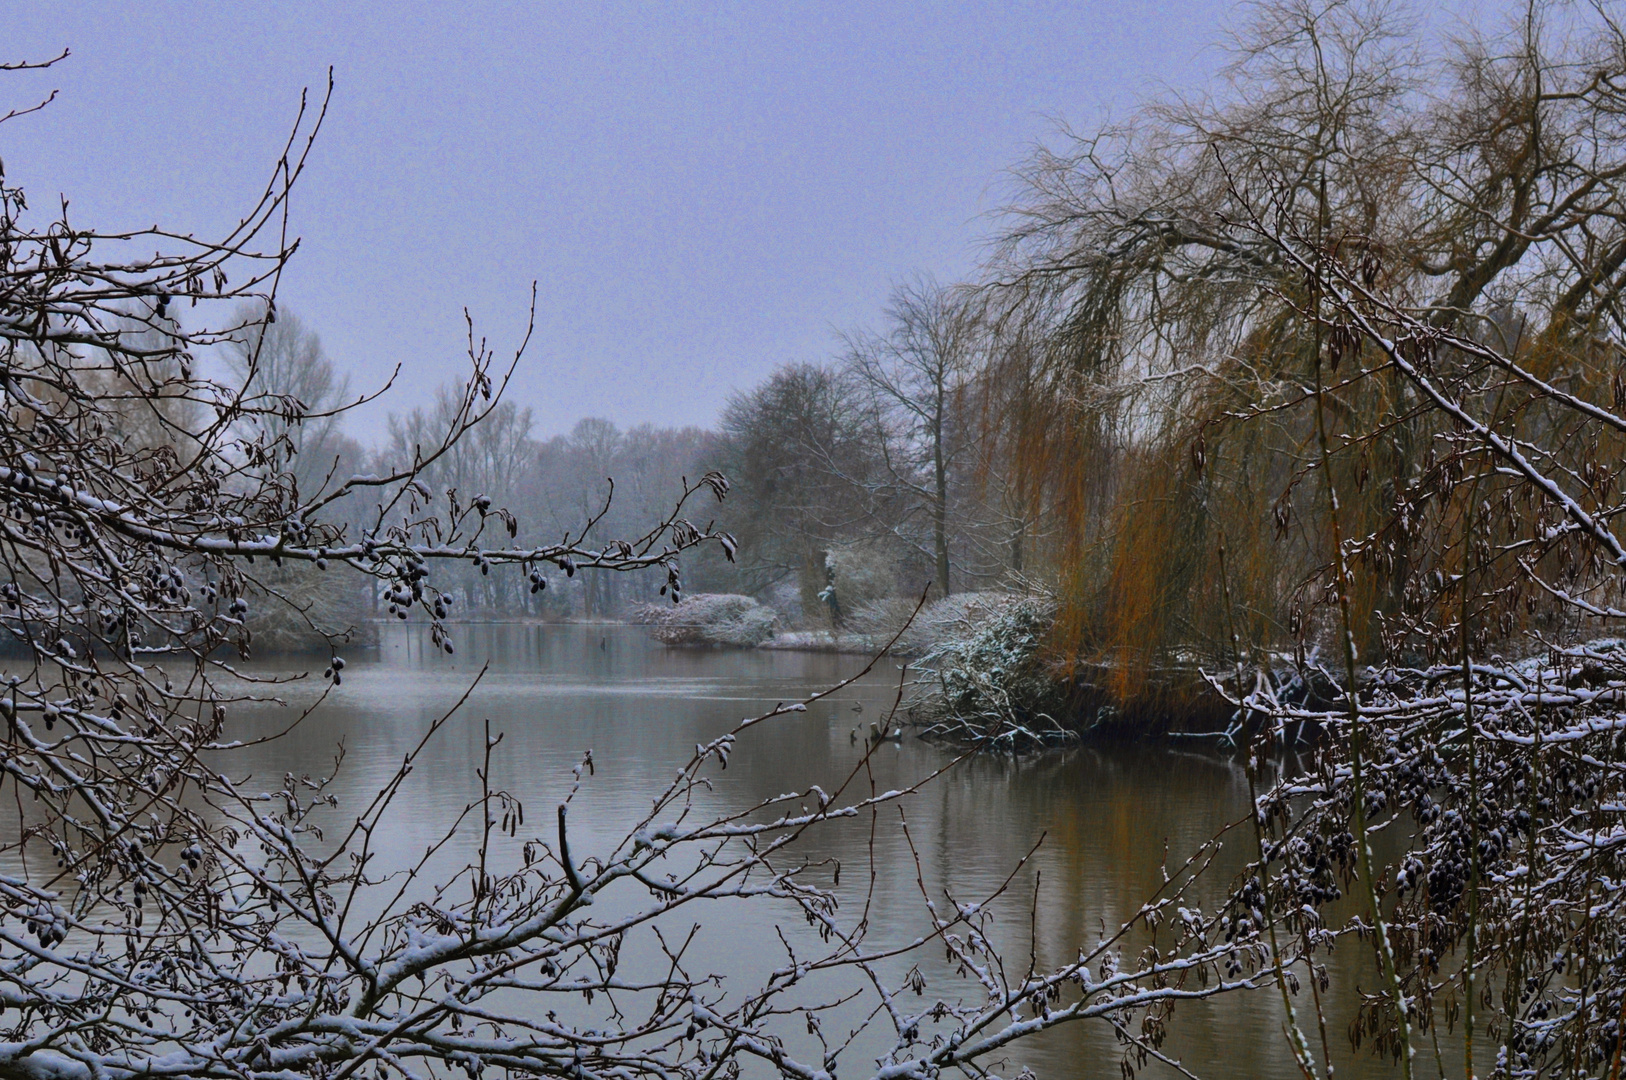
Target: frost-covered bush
x,y
880,619
709,619
922,630
986,679
860,574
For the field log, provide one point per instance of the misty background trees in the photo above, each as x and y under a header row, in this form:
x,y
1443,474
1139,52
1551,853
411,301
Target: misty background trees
x,y
857,479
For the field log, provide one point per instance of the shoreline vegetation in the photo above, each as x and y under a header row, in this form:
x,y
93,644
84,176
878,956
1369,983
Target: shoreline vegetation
x,y
981,674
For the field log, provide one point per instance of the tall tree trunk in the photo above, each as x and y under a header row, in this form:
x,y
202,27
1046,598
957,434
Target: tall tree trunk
x,y
940,510
940,527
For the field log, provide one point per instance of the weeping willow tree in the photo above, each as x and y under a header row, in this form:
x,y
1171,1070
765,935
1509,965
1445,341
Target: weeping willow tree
x,y
1155,394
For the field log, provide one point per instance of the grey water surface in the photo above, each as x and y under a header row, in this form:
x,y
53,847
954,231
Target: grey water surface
x,y
1108,818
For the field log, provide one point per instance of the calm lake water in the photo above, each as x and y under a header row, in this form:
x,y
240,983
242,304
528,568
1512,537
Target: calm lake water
x,y
1105,815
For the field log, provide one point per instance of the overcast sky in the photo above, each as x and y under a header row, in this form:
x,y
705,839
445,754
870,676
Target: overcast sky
x,y
703,191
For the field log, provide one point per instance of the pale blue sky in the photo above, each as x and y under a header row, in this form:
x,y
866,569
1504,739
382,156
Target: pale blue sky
x,y
702,191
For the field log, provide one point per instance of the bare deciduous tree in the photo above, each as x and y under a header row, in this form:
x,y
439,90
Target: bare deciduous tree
x,y
298,394
915,377
795,442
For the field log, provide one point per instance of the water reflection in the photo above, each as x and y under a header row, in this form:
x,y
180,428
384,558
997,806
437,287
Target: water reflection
x,y
1108,818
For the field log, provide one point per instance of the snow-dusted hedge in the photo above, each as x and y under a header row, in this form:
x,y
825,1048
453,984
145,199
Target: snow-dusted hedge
x,y
709,619
985,680
951,618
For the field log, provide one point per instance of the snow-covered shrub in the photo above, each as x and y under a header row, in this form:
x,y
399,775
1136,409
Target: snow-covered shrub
x,y
922,631
879,620
861,574
986,679
709,619
955,617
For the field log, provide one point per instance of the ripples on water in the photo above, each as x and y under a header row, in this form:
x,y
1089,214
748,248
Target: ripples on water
x,y
557,691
